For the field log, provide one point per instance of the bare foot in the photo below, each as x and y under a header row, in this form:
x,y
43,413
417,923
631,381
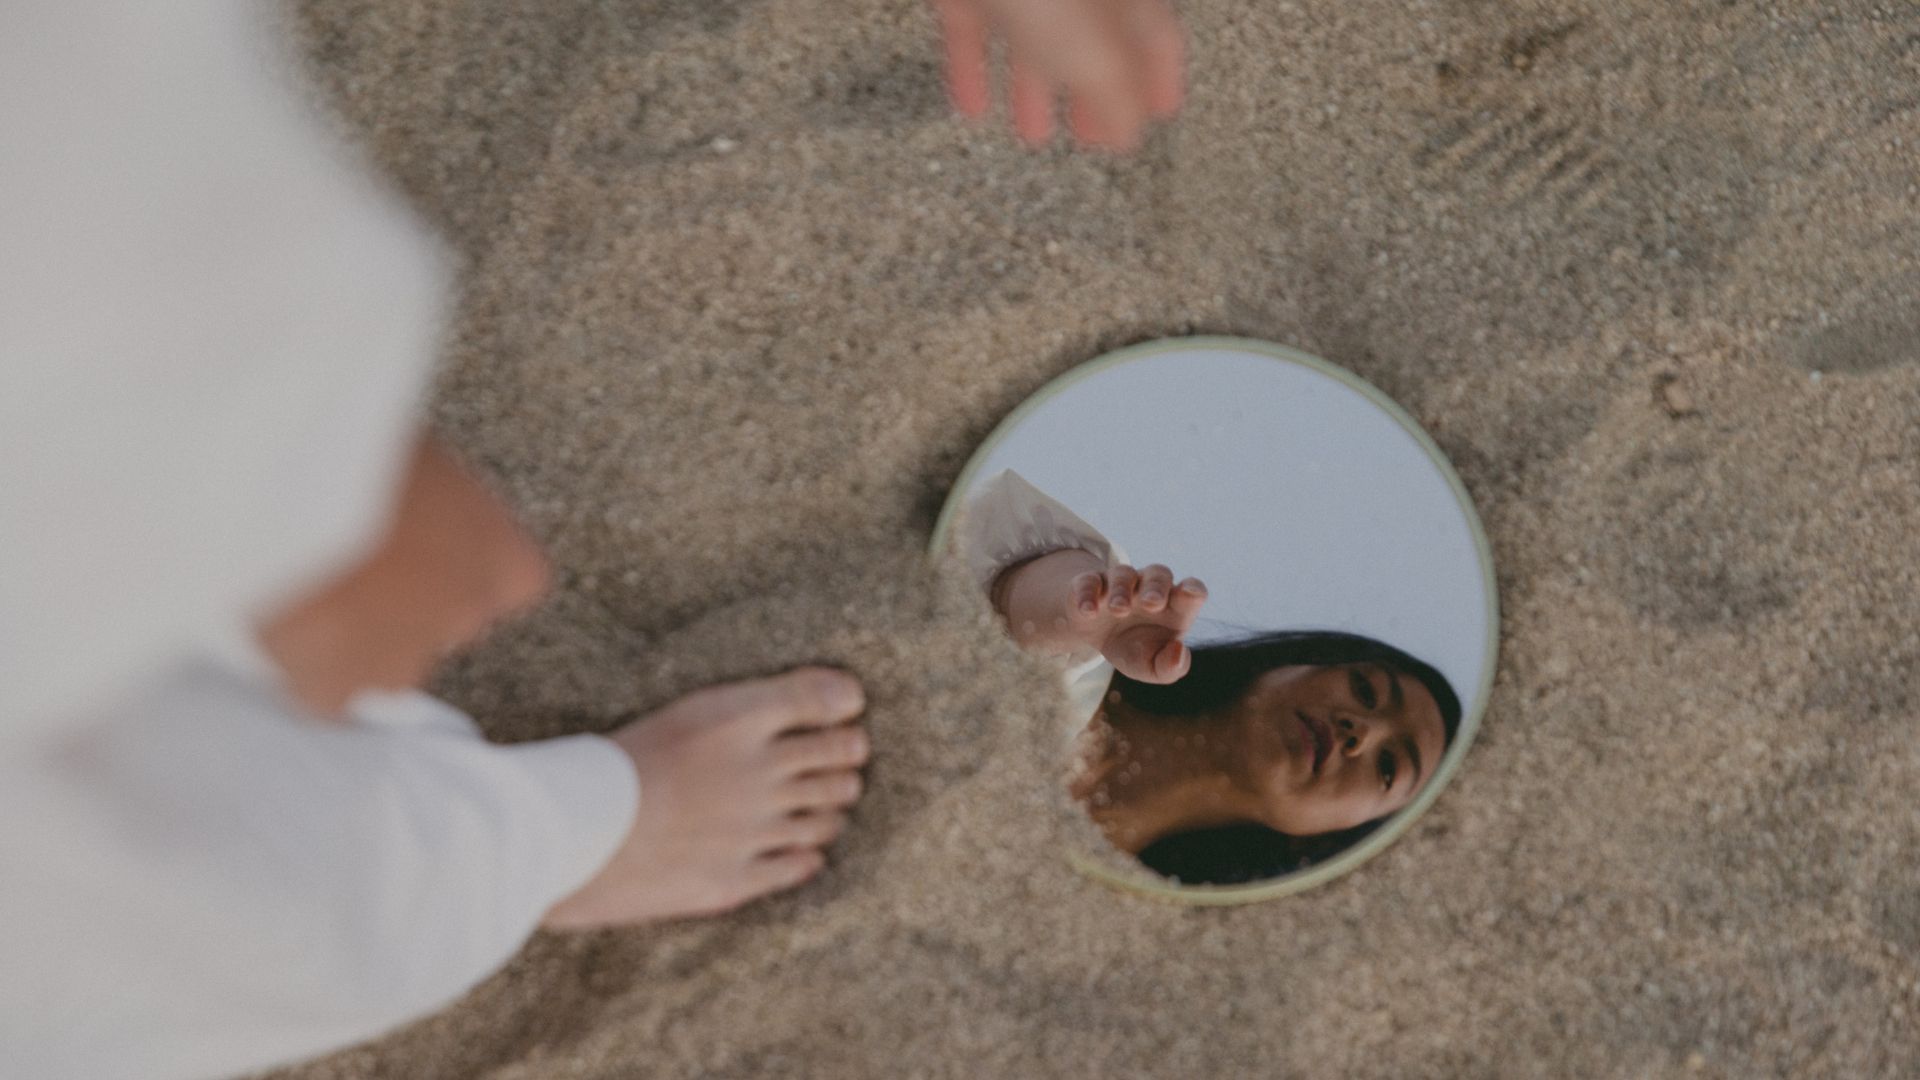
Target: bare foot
x,y
741,786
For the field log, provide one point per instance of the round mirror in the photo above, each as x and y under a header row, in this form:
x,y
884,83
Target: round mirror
x,y
1269,598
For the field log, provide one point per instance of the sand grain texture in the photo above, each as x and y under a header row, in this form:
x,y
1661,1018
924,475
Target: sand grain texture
x,y
740,297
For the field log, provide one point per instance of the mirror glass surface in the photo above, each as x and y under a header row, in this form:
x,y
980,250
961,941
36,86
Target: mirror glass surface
x,y
1268,596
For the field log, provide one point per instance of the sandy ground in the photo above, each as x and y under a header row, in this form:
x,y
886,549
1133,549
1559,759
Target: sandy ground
x,y
741,297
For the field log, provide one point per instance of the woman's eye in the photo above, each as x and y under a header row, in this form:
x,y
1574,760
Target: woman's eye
x,y
1362,689
1388,768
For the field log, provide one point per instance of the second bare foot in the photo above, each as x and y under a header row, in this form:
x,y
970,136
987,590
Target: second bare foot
x,y
741,787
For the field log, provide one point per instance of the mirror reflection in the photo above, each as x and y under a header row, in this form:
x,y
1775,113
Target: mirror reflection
x,y
1262,588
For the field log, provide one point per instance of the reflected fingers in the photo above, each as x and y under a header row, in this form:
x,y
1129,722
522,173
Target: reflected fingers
x,y
1121,582
1186,602
1149,654
1172,662
1156,585
1088,590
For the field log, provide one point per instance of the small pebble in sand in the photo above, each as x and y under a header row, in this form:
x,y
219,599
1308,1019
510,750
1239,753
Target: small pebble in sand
x,y
723,145
1675,398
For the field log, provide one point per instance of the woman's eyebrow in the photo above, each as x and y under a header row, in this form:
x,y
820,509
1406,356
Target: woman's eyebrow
x,y
1396,695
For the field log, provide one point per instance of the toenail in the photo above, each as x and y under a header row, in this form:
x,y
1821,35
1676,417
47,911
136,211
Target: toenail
x,y
844,695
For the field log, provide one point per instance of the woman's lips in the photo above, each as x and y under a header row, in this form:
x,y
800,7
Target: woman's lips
x,y
1320,737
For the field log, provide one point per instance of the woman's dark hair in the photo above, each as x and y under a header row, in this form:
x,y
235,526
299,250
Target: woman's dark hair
x,y
1219,677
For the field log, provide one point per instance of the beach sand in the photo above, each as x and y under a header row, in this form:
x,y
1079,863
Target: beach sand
x,y
740,295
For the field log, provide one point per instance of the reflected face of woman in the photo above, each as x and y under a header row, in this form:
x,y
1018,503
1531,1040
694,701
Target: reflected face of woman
x,y
1337,746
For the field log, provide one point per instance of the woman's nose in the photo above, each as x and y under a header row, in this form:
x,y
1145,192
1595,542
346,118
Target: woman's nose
x,y
1357,735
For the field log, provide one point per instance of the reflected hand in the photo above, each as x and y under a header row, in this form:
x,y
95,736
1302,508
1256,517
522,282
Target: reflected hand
x,y
1137,619
1119,63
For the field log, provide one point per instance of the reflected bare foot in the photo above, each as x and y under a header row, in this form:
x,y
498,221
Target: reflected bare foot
x,y
741,786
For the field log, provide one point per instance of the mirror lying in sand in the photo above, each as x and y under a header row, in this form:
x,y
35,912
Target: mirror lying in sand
x,y
1268,595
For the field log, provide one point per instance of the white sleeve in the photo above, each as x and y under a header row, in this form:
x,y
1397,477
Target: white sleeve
x,y
1008,521
215,334
208,884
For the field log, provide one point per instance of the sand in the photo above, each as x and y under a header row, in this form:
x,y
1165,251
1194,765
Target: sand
x,y
739,298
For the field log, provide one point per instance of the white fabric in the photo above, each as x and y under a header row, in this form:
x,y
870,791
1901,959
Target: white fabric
x,y
1007,521
201,884
1087,689
214,333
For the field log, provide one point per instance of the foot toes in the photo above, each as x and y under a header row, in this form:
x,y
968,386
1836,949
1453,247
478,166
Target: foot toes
x,y
821,790
813,751
806,697
782,870
813,829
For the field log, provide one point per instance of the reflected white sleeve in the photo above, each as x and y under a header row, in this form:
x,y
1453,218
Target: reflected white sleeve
x,y
1008,521
206,884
